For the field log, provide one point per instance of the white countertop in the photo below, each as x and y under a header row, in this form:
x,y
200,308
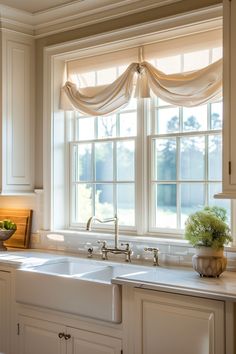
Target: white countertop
x,y
175,280
183,281
16,259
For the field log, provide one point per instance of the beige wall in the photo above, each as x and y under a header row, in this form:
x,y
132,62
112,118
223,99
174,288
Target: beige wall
x,y
115,24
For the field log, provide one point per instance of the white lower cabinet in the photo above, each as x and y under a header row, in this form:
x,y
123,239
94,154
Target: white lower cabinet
x,y
37,337
169,323
83,342
44,337
5,299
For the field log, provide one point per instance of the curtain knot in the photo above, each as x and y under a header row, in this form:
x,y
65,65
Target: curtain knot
x,y
142,86
140,68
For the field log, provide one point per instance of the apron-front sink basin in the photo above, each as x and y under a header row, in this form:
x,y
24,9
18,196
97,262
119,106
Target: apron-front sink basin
x,y
59,286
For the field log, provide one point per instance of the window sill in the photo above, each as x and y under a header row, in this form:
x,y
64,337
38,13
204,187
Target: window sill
x,y
88,236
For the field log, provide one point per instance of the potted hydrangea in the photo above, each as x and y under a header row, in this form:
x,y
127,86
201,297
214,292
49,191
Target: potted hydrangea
x,y
208,232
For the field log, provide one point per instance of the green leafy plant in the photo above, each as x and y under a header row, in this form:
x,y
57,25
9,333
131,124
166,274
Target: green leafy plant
x,y
208,228
7,224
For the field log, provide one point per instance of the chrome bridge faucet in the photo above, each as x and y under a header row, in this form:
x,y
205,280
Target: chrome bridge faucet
x,y
104,249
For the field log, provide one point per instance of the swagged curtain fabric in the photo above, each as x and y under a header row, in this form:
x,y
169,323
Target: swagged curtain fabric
x,y
185,89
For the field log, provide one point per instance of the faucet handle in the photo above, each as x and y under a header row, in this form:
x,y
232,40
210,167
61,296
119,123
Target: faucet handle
x,y
103,249
128,251
90,252
127,246
151,249
155,251
103,243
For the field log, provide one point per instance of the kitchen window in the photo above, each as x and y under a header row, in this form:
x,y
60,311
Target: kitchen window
x,y
151,163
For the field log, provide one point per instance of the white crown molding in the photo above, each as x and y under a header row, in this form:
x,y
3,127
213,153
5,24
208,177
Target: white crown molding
x,y
16,20
72,16
165,28
78,15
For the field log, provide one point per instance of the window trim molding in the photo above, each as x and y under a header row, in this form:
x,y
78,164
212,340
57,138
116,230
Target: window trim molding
x,y
54,62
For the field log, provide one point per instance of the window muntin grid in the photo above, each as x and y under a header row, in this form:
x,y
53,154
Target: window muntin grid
x,y
103,161
185,150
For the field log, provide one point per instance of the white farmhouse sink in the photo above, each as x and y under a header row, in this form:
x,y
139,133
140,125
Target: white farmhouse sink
x,y
67,267
107,273
81,287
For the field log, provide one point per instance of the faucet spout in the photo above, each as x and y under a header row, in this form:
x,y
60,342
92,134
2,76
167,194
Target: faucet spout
x,y
104,221
104,249
90,221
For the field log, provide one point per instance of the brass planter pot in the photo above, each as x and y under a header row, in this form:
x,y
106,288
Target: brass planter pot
x,y
209,262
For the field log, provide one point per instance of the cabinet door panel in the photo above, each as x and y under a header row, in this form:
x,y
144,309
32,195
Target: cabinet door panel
x,y
232,111
229,106
4,312
176,330
83,342
40,337
168,323
18,112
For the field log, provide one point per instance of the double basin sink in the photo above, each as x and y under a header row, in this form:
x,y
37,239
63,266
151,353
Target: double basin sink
x,y
77,286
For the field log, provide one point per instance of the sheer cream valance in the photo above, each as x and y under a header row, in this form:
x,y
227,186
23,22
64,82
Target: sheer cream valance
x,y
185,89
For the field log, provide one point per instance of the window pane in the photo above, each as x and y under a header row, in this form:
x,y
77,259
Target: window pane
x,y
121,69
83,202
161,102
106,126
131,106
86,128
167,120
192,162
215,157
195,118
216,115
84,163
165,157
128,124
104,161
106,76
104,201
165,206
214,188
196,60
169,65
192,199
125,161
126,204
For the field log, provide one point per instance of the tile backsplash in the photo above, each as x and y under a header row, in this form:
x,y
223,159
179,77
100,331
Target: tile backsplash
x,y
171,252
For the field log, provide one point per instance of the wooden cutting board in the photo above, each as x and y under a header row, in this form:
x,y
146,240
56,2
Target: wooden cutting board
x,y
23,220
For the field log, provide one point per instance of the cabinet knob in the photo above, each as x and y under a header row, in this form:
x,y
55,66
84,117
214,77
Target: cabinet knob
x,y
67,336
61,335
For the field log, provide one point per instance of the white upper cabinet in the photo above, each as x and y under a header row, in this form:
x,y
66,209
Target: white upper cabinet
x,y
17,116
229,94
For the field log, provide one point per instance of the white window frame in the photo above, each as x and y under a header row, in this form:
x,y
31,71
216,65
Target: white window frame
x,y
54,63
140,173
